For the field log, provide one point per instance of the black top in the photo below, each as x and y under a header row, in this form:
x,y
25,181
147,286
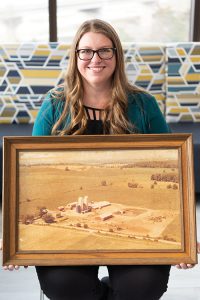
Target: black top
x,y
94,122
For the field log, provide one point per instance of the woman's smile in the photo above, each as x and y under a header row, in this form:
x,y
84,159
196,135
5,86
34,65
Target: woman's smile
x,y
96,69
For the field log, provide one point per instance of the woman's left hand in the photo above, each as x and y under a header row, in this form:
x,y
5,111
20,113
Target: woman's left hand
x,y
188,266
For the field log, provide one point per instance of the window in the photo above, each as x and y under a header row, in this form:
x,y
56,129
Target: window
x,y
24,21
135,21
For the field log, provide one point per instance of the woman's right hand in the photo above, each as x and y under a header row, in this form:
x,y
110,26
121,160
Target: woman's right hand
x,y
10,267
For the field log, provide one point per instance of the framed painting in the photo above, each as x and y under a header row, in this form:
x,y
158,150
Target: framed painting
x,y
99,200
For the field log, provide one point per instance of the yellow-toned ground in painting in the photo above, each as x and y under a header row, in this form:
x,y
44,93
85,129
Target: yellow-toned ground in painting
x,y
141,213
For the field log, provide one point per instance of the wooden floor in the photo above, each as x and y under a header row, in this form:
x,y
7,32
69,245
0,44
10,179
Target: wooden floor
x,y
23,284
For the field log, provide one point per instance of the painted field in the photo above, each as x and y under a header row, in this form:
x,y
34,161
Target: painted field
x,y
144,210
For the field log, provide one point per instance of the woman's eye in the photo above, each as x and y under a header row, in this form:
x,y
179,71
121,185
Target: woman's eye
x,y
104,50
86,51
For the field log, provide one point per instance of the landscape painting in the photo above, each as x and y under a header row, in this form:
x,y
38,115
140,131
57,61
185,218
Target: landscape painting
x,y
99,200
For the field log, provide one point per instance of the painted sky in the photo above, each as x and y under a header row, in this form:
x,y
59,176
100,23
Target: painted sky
x,y
95,156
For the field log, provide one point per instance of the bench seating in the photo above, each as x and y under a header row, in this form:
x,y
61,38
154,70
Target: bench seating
x,y
171,72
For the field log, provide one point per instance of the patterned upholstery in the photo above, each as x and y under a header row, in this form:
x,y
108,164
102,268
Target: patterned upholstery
x,y
170,72
183,82
27,72
145,67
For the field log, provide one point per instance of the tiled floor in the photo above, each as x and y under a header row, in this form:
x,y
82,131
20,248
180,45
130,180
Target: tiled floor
x,y
23,284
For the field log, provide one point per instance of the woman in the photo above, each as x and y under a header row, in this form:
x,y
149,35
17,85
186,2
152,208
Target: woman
x,y
96,98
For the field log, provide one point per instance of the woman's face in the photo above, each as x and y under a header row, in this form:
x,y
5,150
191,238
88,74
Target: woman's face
x,y
96,71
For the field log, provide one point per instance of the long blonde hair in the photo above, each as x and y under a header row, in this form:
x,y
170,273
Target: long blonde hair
x,y
72,88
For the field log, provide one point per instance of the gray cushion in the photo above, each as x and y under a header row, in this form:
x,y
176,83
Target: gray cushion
x,y
12,130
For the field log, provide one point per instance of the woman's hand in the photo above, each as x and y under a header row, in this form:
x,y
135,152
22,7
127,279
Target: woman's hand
x,y
10,267
188,266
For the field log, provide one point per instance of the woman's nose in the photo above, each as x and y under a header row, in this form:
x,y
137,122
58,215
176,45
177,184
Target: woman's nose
x,y
96,57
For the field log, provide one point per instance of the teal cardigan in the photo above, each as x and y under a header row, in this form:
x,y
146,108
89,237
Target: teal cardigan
x,y
143,111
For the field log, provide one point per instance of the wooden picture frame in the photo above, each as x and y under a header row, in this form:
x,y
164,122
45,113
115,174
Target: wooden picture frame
x,y
99,200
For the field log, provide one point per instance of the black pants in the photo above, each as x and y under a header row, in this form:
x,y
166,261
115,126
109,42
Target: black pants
x,y
82,283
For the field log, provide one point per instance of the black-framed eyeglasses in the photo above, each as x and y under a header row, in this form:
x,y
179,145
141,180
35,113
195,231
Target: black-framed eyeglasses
x,y
103,53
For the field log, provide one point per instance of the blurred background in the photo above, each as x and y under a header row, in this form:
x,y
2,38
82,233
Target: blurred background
x,y
134,20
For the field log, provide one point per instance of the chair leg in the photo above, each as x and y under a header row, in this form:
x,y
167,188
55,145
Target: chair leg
x,y
41,294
